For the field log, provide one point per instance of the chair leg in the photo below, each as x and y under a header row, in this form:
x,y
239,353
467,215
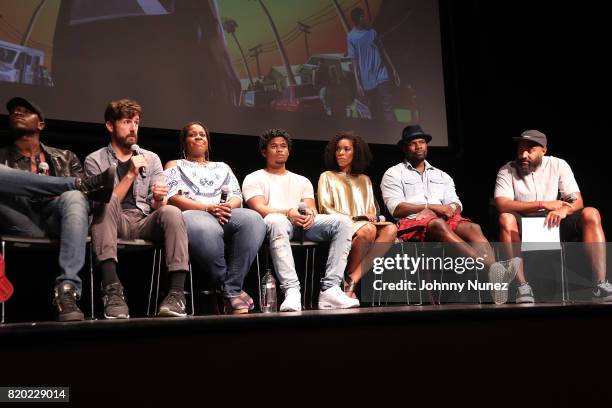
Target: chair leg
x,y
416,254
312,277
478,286
259,294
405,276
191,290
305,280
378,293
151,286
159,261
92,316
441,281
564,285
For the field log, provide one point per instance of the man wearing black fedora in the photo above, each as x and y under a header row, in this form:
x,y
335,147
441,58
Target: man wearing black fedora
x,y
535,184
423,199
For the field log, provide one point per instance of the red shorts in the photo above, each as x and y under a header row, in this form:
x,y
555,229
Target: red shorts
x,y
410,229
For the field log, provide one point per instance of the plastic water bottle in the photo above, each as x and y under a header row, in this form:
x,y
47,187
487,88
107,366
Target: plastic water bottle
x,y
268,293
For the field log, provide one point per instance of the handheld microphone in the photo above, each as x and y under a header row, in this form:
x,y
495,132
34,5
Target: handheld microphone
x,y
379,218
224,193
43,168
136,151
302,210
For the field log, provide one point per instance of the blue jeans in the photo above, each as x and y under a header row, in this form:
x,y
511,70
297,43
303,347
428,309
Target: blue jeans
x,y
65,216
242,235
23,183
338,229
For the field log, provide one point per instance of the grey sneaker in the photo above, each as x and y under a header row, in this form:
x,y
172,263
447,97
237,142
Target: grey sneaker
x,y
114,302
602,292
173,305
66,302
498,276
524,294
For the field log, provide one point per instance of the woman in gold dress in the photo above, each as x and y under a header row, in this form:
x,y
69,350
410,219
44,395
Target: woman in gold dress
x,y
344,189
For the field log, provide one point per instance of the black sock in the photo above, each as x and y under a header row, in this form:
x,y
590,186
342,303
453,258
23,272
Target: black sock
x,y
108,268
177,280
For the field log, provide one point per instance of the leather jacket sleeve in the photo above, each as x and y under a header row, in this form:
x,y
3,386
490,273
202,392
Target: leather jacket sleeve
x,y
74,164
65,163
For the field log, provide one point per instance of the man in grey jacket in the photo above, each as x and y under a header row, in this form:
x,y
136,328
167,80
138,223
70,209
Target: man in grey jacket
x,y
137,209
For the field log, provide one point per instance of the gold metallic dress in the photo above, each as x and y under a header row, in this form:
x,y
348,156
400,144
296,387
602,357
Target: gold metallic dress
x,y
340,193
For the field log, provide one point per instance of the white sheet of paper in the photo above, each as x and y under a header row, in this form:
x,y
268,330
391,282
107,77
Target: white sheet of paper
x,y
537,237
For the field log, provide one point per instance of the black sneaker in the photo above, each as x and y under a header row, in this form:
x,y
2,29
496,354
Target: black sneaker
x,y
99,187
173,305
114,302
65,300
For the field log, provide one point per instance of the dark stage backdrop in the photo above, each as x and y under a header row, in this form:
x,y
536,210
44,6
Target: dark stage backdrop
x,y
508,66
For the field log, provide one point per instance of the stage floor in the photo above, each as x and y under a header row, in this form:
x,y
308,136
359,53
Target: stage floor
x,y
434,355
347,316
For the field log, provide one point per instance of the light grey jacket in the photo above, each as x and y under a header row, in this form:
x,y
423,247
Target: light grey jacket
x,y
102,159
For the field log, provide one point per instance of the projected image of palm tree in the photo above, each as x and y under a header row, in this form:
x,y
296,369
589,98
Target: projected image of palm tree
x,y
229,26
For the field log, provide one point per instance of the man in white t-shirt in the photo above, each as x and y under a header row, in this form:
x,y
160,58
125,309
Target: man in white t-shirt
x,y
276,193
539,185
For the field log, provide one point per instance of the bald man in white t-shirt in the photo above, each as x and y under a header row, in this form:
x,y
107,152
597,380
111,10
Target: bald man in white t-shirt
x,y
539,185
276,193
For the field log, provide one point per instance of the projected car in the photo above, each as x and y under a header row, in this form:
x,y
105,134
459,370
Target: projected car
x,y
23,65
258,98
324,61
299,98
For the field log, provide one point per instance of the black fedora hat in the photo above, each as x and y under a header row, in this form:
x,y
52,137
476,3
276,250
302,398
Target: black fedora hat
x,y
413,132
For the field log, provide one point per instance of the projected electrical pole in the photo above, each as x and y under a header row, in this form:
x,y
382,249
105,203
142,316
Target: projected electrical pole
x,y
306,30
28,31
341,15
279,45
254,53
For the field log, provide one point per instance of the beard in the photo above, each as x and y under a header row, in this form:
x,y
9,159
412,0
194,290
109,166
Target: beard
x,y
530,168
124,142
415,159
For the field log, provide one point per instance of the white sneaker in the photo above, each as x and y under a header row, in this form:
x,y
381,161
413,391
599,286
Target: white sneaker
x,y
497,276
293,301
335,298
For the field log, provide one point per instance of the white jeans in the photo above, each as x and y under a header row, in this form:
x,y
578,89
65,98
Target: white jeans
x,y
338,229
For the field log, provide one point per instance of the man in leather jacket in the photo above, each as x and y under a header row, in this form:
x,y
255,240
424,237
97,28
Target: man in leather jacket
x,y
39,215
